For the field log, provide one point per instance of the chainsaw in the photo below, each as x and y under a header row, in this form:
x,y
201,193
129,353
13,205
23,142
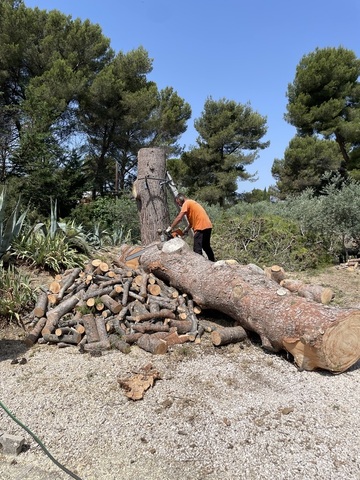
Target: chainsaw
x,y
164,236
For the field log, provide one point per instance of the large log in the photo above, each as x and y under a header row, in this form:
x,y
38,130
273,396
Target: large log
x,y
41,305
317,335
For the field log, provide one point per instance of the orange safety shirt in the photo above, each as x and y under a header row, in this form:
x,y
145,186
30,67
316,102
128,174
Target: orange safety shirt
x,y
196,215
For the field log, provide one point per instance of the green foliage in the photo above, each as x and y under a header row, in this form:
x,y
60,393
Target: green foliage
x,y
168,120
9,228
264,241
229,139
46,61
123,112
306,160
324,98
114,218
52,254
99,238
16,293
341,212
53,245
255,196
331,219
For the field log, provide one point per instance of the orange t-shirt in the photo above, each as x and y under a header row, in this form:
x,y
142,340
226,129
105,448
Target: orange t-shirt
x,y
196,215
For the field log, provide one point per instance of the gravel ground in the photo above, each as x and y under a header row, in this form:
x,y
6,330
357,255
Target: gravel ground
x,y
232,412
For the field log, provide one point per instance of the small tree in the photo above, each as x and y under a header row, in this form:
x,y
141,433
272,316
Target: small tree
x,y
229,139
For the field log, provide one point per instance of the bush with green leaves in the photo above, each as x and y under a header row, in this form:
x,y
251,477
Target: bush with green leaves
x,y
99,238
52,245
265,240
54,254
16,293
333,218
109,219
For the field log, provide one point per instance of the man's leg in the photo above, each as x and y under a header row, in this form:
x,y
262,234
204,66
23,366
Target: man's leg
x,y
198,242
206,244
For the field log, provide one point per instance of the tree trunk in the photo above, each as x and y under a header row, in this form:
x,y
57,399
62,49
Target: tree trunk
x,y
150,193
317,335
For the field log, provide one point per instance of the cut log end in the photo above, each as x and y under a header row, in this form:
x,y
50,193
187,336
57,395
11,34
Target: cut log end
x,y
342,344
340,348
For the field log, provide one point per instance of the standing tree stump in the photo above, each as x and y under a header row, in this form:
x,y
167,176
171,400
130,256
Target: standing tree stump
x,y
150,192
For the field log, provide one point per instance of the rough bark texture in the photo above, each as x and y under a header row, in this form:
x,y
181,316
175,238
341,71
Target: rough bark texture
x,y
318,336
150,193
227,335
41,305
35,333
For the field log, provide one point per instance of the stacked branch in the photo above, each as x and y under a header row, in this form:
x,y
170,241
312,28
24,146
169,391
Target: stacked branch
x,y
113,306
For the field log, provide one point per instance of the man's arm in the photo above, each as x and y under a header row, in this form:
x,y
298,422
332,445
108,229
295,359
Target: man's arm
x,y
177,219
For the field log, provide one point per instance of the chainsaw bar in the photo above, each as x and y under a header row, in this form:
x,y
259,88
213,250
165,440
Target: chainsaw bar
x,y
136,254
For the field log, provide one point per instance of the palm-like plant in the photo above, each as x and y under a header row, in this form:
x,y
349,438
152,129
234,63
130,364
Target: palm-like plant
x,y
53,245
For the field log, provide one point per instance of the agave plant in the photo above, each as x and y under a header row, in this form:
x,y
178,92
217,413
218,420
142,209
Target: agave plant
x,y
10,228
53,245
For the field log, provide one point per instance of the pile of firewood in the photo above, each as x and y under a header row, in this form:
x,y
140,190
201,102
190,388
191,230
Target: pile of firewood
x,y
114,306
351,264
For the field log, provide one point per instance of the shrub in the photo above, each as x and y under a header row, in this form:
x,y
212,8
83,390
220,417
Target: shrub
x,y
110,215
16,293
265,241
49,253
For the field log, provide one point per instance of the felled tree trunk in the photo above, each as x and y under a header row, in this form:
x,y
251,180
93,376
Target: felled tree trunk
x,y
317,335
150,193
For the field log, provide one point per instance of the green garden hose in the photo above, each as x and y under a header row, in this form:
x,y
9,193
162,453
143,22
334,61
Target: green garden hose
x,y
38,441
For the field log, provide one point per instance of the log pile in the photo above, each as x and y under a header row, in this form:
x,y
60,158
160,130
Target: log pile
x,y
351,265
113,306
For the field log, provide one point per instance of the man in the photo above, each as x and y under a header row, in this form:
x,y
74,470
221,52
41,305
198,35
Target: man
x,y
198,221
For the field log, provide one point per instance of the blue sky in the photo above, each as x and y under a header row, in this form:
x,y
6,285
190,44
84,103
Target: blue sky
x,y
246,51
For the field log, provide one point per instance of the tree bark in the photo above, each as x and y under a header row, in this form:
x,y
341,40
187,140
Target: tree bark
x,y
54,315
41,305
67,281
317,335
35,333
119,344
92,333
150,193
317,293
223,336
152,344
